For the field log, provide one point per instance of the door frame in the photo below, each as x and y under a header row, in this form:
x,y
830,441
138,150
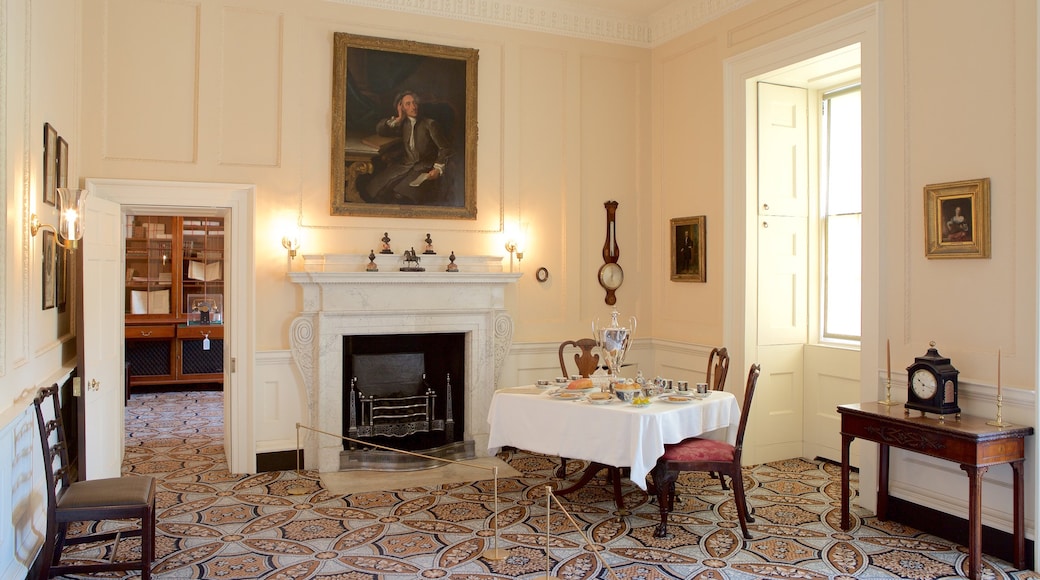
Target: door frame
x,y
740,221
238,200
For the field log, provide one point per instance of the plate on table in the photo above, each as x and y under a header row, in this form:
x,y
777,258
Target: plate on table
x,y
676,399
602,399
568,395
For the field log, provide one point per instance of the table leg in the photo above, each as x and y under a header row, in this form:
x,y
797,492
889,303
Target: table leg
x,y
974,519
846,442
590,472
1019,506
882,493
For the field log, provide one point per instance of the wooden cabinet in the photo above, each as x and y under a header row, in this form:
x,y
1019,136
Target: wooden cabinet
x,y
174,299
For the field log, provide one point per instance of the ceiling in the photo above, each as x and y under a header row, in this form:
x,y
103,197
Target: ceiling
x,y
639,10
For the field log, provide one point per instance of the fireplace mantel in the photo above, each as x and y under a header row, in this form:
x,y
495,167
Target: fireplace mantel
x,y
339,300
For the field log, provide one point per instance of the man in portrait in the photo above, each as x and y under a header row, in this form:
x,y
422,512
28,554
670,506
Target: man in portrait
x,y
416,174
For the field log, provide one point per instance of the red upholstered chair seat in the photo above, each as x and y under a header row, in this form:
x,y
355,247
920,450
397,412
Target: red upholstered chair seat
x,y
697,449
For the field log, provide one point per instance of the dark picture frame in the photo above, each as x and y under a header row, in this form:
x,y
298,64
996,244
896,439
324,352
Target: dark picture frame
x,y
369,174
688,236
47,270
957,219
50,164
63,162
61,271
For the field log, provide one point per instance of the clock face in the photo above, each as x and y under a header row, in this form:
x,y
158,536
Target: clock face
x,y
923,384
611,276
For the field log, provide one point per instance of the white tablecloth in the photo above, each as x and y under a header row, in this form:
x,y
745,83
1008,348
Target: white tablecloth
x,y
619,434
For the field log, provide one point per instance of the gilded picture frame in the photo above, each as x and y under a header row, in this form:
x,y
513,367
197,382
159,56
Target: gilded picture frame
x,y
48,282
379,156
957,219
688,237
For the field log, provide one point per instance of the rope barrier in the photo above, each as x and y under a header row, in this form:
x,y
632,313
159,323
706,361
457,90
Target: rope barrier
x,y
493,554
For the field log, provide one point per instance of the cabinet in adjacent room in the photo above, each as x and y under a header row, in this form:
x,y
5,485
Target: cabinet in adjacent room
x,y
174,299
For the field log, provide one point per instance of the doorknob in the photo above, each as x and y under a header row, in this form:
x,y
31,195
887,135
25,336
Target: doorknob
x,y
94,385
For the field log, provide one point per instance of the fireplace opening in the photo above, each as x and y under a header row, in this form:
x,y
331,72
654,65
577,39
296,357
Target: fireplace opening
x,y
405,391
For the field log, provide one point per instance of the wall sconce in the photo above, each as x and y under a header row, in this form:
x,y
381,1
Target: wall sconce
x,y
291,243
71,204
516,240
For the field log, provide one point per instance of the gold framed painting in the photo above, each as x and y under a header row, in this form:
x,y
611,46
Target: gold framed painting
x,y
957,219
688,245
404,129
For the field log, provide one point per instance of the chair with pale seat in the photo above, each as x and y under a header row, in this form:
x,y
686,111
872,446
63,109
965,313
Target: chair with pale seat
x,y
697,454
96,500
585,360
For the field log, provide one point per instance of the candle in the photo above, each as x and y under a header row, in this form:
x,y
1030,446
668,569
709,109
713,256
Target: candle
x,y
888,357
998,373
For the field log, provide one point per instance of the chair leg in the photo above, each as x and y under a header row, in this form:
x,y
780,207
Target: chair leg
x,y
561,471
741,504
722,480
664,480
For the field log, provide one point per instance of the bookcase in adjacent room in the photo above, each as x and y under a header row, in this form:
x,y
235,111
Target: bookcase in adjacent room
x,y
174,308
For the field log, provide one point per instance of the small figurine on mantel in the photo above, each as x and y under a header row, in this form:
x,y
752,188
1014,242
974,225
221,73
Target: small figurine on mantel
x,y
386,244
411,261
371,267
452,266
429,245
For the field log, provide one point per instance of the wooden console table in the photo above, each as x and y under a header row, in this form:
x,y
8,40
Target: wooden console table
x,y
968,441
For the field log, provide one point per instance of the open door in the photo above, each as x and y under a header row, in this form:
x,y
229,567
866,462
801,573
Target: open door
x,y
102,338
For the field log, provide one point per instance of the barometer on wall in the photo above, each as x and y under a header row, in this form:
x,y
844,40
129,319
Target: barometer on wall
x,y
610,274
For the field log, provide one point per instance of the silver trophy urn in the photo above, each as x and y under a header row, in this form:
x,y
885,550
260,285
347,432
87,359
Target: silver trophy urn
x,y
613,342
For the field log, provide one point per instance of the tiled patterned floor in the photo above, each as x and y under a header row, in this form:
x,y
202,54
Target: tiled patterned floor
x,y
213,524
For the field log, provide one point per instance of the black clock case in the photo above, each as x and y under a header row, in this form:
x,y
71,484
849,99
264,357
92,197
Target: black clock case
x,y
944,401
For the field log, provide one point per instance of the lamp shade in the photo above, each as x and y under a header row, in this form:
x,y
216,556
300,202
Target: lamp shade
x,y
71,205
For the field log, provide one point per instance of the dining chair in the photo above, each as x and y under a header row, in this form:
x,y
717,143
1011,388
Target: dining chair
x,y
715,376
718,368
585,361
95,500
697,454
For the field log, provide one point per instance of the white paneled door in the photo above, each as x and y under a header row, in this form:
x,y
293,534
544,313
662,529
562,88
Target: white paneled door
x,y
103,339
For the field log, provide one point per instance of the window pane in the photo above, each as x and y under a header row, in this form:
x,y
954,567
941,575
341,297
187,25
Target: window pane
x,y
843,155
842,284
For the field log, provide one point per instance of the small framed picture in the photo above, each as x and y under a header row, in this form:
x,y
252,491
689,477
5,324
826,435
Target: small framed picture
x,y
61,270
48,281
688,241
50,164
63,162
957,219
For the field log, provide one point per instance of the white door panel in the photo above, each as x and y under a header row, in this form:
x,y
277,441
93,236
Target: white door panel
x,y
782,280
831,379
775,425
783,159
102,339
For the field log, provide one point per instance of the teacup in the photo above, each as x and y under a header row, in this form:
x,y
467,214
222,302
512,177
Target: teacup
x,y
626,394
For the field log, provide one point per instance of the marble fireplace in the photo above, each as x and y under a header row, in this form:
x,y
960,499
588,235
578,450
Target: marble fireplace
x,y
341,299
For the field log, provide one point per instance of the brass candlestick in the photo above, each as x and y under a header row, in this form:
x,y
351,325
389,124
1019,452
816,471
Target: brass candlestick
x,y
999,422
888,394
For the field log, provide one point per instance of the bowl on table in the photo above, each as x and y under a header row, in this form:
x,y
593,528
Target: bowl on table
x,y
627,394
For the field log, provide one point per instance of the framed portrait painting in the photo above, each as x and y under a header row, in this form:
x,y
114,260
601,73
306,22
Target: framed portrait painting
x,y
957,219
63,162
50,164
688,241
48,280
404,129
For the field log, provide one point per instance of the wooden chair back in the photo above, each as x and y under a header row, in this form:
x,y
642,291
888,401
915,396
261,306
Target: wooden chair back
x,y
586,361
718,368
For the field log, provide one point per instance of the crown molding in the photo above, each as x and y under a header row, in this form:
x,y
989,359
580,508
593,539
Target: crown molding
x,y
566,19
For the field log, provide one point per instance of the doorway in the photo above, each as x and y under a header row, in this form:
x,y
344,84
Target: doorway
x,y
236,203
782,390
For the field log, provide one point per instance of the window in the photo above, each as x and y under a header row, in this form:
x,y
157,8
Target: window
x,y
840,214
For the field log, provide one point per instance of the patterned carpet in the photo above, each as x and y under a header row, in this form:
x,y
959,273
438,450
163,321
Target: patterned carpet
x,y
214,524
